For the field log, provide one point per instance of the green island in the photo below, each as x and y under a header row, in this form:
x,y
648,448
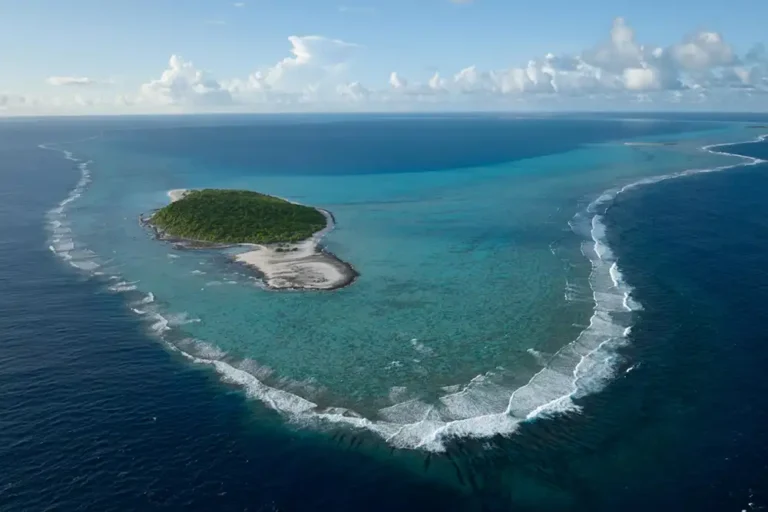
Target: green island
x,y
237,216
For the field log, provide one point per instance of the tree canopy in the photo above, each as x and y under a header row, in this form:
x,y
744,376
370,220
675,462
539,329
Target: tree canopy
x,y
238,216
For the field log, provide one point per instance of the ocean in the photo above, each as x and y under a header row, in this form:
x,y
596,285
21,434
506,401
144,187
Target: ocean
x,y
553,313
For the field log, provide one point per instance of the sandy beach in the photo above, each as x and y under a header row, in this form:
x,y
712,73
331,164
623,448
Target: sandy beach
x,y
177,193
297,266
302,265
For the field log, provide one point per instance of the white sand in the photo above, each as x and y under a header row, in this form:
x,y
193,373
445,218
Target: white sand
x,y
177,194
301,265
303,268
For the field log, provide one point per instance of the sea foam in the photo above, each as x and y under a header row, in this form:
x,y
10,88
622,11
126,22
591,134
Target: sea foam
x,y
62,243
481,408
123,286
581,367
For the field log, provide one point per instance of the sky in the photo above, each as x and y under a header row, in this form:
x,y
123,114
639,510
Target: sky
x,y
177,56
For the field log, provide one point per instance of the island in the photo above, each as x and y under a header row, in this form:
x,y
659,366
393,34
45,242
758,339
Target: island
x,y
282,237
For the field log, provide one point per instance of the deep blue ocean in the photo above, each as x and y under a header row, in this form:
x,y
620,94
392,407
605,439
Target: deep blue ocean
x,y
554,313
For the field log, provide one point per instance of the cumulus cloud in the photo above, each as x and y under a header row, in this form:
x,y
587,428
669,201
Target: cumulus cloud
x,y
619,69
619,65
471,80
702,51
397,82
314,59
354,91
620,52
316,70
183,84
437,83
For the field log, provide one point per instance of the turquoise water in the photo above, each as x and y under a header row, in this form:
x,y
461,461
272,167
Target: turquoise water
x,y
476,280
98,413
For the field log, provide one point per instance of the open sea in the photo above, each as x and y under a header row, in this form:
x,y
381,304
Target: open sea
x,y
554,313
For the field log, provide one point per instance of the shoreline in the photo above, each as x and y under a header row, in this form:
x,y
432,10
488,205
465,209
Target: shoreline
x,y
304,265
401,434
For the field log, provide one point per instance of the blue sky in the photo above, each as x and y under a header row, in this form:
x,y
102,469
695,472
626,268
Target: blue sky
x,y
96,56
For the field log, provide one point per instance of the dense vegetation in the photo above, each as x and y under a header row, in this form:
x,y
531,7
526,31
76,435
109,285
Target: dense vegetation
x,y
238,216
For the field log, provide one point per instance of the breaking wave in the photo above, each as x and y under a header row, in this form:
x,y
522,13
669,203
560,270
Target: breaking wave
x,y
481,408
62,242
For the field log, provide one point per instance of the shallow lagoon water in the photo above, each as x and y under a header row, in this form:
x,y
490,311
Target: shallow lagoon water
x,y
474,309
97,415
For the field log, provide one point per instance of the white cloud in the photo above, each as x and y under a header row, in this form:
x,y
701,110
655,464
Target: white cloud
x,y
471,80
397,82
703,50
354,91
239,4
319,72
535,77
314,58
620,52
620,65
70,81
185,85
316,71
437,83
642,79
